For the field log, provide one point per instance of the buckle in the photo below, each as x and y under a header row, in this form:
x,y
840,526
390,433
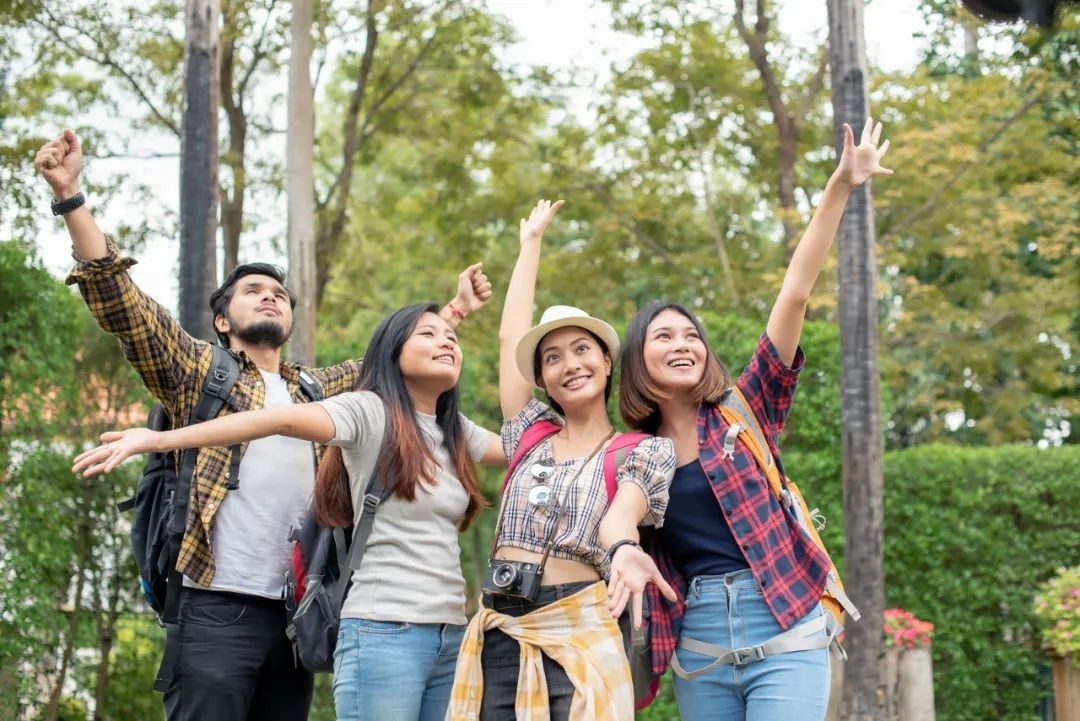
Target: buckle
x,y
371,502
747,655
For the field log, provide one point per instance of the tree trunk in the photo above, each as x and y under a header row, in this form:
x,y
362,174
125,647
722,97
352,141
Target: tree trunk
x,y
198,167
82,560
232,205
106,638
861,442
300,185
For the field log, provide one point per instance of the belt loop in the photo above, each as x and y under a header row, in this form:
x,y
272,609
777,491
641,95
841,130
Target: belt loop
x,y
695,586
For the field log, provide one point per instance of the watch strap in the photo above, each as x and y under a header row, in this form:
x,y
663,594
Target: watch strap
x,y
65,206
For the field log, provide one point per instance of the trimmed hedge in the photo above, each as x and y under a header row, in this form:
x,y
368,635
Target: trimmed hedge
x,y
969,535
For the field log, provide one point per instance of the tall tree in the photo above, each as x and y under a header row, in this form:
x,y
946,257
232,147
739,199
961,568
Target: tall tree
x,y
300,184
199,167
860,407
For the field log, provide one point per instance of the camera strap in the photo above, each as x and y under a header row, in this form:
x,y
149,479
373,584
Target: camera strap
x,y
557,509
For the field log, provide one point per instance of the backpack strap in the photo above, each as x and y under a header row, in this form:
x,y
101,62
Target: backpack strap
x,y
736,410
533,436
615,456
310,386
224,370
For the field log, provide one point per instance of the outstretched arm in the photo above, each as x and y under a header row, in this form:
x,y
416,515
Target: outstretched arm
x,y
60,161
631,568
474,290
858,163
307,421
514,390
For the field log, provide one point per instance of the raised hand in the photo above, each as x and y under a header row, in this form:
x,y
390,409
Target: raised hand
x,y
532,229
60,161
859,163
631,570
474,289
116,447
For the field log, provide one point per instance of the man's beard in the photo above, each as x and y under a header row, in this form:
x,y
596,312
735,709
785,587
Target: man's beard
x,y
263,333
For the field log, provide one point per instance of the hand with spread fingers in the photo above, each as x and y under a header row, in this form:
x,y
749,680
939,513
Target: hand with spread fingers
x,y
532,228
631,570
859,163
116,447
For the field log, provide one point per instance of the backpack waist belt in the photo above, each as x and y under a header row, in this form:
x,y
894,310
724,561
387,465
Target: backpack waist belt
x,y
801,638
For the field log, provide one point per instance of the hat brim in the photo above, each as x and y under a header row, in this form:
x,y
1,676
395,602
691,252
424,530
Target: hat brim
x,y
526,347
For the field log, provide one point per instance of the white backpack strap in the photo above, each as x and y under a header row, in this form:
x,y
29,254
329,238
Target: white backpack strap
x,y
803,637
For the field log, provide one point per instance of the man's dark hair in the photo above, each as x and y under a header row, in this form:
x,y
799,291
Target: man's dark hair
x,y
220,298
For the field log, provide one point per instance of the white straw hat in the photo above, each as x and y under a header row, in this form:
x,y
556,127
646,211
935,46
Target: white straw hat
x,y
562,316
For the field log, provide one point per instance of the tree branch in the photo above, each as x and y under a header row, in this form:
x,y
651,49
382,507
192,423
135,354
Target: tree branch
x,y
814,88
105,60
939,193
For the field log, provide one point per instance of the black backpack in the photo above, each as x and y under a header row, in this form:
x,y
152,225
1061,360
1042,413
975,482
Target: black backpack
x,y
161,502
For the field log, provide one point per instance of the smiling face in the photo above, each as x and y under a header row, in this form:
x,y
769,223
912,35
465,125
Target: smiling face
x,y
674,353
431,356
259,313
574,368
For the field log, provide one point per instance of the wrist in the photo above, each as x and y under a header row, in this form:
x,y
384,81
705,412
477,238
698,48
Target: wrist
x,y
65,191
615,547
838,184
457,309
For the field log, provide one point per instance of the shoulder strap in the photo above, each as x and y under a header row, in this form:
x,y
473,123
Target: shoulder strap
x,y
361,529
531,438
615,456
311,387
736,410
224,370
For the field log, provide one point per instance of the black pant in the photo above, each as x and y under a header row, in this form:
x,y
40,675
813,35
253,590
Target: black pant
x,y
501,659
235,663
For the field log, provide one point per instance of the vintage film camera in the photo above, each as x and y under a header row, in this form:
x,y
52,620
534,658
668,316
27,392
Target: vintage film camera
x,y
513,578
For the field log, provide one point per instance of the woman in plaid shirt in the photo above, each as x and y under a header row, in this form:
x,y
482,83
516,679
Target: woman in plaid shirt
x,y
744,572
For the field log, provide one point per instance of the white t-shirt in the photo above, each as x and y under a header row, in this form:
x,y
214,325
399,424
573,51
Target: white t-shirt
x,y
411,570
251,530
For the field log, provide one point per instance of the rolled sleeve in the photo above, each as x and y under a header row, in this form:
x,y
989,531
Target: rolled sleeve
x,y
769,384
650,466
514,428
91,268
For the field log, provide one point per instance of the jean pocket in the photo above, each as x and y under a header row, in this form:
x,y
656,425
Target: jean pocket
x,y
381,628
211,611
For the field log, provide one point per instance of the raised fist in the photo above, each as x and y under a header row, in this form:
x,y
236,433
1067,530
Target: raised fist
x,y
60,162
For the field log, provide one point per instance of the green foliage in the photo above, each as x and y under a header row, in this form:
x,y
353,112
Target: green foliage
x,y
39,324
970,535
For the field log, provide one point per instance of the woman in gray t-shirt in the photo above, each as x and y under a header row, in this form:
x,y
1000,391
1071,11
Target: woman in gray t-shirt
x,y
403,619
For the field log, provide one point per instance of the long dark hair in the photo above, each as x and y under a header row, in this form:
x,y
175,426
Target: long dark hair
x,y
638,395
405,459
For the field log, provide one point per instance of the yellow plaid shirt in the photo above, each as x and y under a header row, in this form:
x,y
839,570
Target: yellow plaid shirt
x,y
173,365
579,633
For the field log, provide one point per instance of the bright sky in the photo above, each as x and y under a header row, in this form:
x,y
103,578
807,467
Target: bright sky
x,y
556,33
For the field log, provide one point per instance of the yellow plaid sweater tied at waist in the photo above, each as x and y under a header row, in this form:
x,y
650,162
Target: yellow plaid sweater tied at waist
x,y
577,632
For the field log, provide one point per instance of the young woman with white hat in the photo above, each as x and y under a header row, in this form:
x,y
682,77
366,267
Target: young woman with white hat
x,y
558,538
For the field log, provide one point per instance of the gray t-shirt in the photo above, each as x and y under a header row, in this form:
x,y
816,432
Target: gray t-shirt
x,y
411,571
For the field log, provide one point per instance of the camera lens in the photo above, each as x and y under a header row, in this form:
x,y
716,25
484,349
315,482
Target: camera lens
x,y
504,576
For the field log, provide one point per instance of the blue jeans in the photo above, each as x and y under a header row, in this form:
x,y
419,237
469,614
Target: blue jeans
x,y
730,611
391,671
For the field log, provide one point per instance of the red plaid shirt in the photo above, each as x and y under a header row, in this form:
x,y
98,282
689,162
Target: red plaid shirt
x,y
789,568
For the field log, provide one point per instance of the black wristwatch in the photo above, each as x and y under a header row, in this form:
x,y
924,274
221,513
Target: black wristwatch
x,y
65,206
